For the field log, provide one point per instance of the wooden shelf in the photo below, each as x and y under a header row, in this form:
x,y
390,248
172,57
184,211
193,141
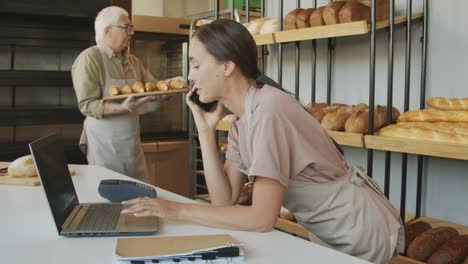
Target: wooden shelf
x,y
348,139
327,31
420,147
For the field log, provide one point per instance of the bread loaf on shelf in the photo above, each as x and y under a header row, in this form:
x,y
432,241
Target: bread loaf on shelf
x,y
359,122
354,11
335,120
322,112
453,251
414,230
270,26
316,19
446,127
256,25
314,107
303,18
427,243
421,133
434,115
290,19
330,12
448,103
383,8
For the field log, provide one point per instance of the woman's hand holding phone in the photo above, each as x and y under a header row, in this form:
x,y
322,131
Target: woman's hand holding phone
x,y
206,115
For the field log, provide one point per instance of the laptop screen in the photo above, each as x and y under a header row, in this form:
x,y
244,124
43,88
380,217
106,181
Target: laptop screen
x,y
49,156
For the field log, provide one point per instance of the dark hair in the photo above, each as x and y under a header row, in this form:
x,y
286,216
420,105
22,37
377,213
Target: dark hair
x,y
228,40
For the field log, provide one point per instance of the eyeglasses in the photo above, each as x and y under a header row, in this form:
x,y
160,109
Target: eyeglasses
x,y
127,27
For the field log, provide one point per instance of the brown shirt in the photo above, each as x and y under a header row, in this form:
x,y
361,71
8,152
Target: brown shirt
x,y
283,141
89,76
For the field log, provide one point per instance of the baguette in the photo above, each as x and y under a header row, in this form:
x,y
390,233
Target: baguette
x,y
316,19
434,115
453,251
358,122
425,244
303,18
354,11
290,19
446,127
420,133
330,12
335,120
448,103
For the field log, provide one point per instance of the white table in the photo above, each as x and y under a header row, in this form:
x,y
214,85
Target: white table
x,y
28,233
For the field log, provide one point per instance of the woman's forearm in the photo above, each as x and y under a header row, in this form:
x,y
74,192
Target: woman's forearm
x,y
216,181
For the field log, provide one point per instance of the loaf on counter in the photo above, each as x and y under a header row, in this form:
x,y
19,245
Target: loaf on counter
x,y
303,18
330,12
434,115
22,167
354,11
428,242
414,230
316,19
443,103
451,252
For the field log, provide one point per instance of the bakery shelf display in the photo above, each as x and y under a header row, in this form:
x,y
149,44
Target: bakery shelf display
x,y
327,31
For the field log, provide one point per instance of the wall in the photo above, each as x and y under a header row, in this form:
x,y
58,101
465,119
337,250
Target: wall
x,y
445,180
170,8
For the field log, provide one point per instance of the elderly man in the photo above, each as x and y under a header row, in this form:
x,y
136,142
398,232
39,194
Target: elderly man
x,y
111,131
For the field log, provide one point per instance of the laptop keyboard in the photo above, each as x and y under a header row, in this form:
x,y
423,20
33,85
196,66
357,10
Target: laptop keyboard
x,y
100,217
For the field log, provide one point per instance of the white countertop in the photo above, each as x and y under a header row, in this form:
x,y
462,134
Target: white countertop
x,y
28,233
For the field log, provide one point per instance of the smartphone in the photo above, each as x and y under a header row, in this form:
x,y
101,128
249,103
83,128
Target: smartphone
x,y
208,107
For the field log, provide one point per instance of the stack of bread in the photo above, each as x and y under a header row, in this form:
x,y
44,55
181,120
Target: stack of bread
x,y
354,119
336,12
446,121
140,87
438,245
262,25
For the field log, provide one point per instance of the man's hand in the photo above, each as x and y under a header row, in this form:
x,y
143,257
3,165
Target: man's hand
x,y
131,104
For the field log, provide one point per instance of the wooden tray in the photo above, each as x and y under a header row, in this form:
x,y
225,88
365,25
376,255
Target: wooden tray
x,y
155,93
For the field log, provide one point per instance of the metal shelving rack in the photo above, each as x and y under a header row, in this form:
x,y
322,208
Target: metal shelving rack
x,y
280,38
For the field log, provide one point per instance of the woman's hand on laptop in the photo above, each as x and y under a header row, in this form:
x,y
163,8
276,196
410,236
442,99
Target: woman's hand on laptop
x,y
150,207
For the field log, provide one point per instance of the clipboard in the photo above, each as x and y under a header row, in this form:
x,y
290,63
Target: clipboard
x,y
166,248
154,93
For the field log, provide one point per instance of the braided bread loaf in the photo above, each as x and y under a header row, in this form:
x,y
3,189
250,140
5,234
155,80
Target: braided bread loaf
x,y
448,103
434,115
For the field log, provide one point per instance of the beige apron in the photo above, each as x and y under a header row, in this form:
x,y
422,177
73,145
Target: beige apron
x,y
351,214
114,141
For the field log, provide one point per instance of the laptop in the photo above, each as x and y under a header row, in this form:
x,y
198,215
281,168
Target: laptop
x,y
72,218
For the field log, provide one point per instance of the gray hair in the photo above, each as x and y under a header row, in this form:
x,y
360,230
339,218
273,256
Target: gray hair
x,y
106,17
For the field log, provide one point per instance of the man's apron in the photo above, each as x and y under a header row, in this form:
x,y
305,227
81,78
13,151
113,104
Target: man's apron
x,y
351,213
114,141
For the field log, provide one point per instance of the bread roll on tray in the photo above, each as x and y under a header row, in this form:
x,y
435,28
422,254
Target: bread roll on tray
x,y
138,87
150,87
162,86
176,84
114,90
126,90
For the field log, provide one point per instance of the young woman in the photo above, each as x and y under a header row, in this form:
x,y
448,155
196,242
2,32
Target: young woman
x,y
280,147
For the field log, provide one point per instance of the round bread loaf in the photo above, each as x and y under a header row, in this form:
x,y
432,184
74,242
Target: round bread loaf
x,y
149,87
138,87
22,167
176,84
127,90
114,90
162,86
